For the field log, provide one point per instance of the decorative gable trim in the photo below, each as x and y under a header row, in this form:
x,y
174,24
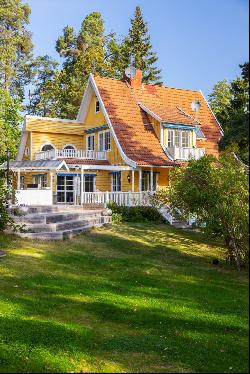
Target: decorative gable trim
x,y
221,129
22,144
148,111
82,113
92,87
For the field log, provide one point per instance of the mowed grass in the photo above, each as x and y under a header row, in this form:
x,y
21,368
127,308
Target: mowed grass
x,y
130,298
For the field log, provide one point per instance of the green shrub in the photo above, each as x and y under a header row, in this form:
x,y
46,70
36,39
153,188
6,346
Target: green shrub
x,y
135,213
5,219
117,217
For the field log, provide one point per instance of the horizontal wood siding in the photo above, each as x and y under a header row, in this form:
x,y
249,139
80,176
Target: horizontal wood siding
x,y
55,127
94,119
57,140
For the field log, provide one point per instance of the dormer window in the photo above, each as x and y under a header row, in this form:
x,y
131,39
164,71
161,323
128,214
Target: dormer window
x,y
97,106
179,138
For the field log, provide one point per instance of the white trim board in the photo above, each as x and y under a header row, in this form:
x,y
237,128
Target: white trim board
x,y
148,111
54,119
101,167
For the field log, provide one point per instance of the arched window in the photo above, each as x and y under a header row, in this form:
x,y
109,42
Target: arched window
x,y
47,147
69,146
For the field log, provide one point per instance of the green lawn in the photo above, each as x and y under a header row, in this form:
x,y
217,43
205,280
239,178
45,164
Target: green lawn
x,y
131,298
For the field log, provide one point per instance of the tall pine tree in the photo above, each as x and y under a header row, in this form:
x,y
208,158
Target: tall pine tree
x,y
136,48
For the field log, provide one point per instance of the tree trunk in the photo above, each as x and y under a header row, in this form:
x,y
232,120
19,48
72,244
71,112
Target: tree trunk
x,y
237,254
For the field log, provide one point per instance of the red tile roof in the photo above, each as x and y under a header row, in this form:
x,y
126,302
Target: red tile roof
x,y
170,115
85,162
132,126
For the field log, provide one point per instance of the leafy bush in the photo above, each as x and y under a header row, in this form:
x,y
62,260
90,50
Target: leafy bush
x,y
5,219
117,217
134,213
216,192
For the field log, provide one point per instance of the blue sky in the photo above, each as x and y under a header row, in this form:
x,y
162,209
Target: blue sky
x,y
198,42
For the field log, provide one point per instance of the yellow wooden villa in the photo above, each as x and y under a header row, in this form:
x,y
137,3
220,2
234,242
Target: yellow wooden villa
x,y
125,140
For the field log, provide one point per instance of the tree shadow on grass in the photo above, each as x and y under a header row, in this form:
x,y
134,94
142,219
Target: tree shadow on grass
x,y
172,338
138,299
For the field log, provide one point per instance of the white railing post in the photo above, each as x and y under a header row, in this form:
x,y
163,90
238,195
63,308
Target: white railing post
x,y
106,197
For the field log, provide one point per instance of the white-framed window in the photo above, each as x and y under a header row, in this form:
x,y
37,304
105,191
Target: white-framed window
x,y
170,138
146,180
97,106
179,138
104,141
47,147
185,139
41,180
27,151
90,142
116,182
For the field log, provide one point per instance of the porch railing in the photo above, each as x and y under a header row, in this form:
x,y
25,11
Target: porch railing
x,y
186,153
120,198
54,154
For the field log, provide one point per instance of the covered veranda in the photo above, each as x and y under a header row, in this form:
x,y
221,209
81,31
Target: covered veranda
x,y
47,191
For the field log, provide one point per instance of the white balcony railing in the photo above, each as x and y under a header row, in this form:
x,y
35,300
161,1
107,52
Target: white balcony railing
x,y
120,198
186,153
54,154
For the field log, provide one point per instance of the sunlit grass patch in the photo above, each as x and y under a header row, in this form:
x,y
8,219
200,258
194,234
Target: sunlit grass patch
x,y
130,298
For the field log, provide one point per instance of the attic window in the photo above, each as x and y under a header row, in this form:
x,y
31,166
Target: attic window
x,y
97,106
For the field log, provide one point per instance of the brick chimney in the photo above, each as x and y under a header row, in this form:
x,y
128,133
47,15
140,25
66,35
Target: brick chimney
x,y
135,82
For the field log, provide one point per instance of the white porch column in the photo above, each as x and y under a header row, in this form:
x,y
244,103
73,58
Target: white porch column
x,y
51,186
151,179
140,180
133,180
18,180
82,183
51,180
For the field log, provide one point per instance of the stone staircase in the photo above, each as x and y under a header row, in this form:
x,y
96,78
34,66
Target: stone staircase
x,y
59,222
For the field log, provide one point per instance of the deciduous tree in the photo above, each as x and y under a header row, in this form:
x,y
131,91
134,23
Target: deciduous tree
x,y
216,192
15,46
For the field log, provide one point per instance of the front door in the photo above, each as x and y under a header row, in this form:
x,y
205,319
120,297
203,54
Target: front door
x,y
65,189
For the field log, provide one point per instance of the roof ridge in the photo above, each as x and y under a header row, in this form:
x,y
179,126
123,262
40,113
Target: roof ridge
x,y
148,85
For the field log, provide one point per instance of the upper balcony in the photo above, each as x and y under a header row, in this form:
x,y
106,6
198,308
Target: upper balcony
x,y
185,153
54,154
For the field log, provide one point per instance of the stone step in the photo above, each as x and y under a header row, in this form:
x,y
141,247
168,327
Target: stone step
x,y
49,208
57,217
64,234
59,226
93,206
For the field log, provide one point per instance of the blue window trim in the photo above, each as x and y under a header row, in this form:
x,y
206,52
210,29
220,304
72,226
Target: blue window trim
x,y
95,129
178,126
74,175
